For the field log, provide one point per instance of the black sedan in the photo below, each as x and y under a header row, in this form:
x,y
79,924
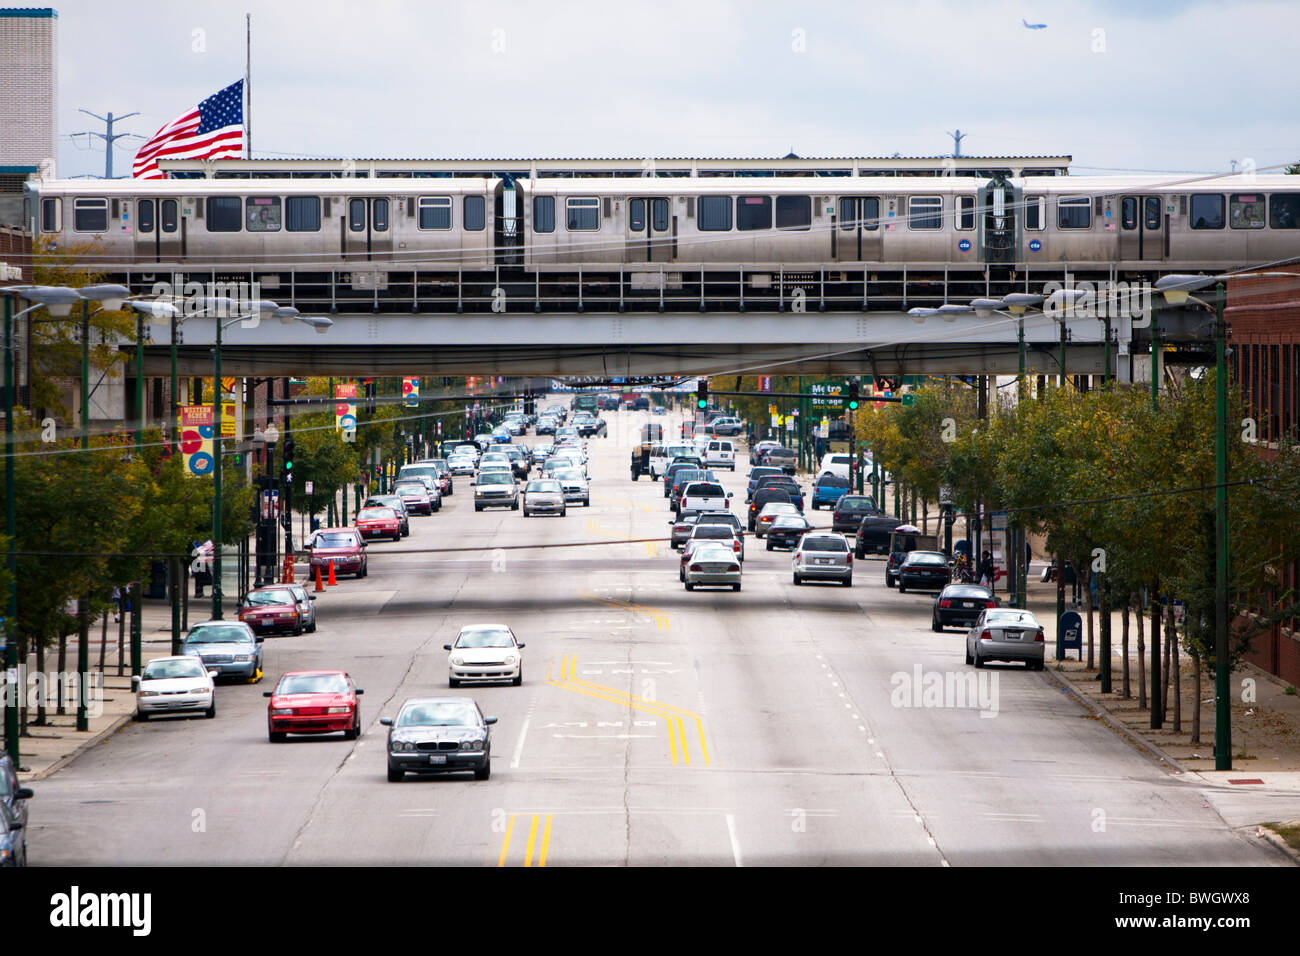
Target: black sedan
x,y
924,571
439,735
960,605
786,531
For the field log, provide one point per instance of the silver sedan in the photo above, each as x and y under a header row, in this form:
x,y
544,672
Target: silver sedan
x,y
713,565
823,557
1006,634
544,496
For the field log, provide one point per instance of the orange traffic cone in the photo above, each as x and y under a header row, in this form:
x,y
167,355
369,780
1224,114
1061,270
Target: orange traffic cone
x,y
332,581
320,585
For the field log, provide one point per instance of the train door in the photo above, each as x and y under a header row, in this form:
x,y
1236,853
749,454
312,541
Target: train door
x,y
169,230
146,230
998,223
1141,228
367,229
857,229
649,229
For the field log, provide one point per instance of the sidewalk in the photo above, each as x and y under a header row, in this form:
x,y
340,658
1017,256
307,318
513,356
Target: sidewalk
x,y
47,748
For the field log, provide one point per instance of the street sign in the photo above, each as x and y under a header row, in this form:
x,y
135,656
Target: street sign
x,y
826,394
908,399
309,486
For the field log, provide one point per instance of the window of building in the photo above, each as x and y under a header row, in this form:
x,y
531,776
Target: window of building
x,y
543,213
965,212
302,213
474,212
224,213
753,212
263,213
1207,212
1246,211
1074,213
435,212
714,214
91,215
1284,210
794,212
144,214
925,212
582,214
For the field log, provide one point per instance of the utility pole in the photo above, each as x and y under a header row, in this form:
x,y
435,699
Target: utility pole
x,y
108,137
957,137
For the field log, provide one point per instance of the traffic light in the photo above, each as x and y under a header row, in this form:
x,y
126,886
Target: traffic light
x,y
702,394
852,404
288,459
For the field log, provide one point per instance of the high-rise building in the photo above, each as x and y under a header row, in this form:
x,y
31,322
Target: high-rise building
x,y
28,101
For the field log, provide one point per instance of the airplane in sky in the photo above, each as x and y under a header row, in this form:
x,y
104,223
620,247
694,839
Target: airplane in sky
x,y
1034,26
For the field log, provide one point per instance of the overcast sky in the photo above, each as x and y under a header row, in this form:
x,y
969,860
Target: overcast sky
x,y
1118,85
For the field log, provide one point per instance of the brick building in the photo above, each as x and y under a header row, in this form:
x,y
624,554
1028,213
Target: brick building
x,y
28,102
1264,316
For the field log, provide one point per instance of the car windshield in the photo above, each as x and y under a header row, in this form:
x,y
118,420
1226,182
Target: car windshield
x,y
725,519
414,471
549,486
438,714
824,544
495,478
713,531
411,488
568,474
166,670
219,634
967,591
926,558
337,540
375,513
312,684
485,637
263,598
383,501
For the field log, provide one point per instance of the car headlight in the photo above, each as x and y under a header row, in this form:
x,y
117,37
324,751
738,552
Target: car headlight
x,y
458,661
338,710
201,689
149,693
511,659
476,744
282,712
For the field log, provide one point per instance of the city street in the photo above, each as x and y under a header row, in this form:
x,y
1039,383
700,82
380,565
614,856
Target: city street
x,y
776,725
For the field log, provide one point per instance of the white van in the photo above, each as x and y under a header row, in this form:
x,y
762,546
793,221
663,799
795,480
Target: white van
x,y
835,464
720,453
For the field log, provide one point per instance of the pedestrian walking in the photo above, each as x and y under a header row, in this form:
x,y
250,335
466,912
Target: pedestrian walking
x,y
987,569
117,605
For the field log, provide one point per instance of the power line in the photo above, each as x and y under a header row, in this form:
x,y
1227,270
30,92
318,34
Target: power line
x,y
110,138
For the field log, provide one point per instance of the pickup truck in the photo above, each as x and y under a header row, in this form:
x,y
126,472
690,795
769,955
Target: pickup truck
x,y
705,496
784,458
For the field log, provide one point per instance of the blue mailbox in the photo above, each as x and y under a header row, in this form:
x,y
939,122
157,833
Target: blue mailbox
x,y
1069,634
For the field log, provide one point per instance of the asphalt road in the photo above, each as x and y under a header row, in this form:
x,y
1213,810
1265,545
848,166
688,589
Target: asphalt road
x,y
776,725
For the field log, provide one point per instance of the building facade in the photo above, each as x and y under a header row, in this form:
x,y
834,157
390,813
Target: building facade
x,y
28,101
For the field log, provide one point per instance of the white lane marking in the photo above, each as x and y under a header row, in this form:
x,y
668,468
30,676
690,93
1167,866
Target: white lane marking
x,y
604,736
519,745
735,842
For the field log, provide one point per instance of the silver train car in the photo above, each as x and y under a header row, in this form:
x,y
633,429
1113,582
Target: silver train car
x,y
411,231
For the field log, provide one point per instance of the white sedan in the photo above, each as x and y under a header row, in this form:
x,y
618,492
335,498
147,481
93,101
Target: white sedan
x,y
174,685
485,652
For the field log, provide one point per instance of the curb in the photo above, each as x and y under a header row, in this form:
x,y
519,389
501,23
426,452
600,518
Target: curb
x,y
1150,749
1266,834
83,747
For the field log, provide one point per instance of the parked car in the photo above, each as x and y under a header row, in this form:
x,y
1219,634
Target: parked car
x,y
829,489
822,556
379,523
228,647
439,735
727,425
1006,634
275,610
485,652
415,494
395,502
313,702
343,546
13,839
175,685
13,795
924,570
960,605
835,464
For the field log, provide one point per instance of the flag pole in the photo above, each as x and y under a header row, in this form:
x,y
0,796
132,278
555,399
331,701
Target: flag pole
x,y
248,85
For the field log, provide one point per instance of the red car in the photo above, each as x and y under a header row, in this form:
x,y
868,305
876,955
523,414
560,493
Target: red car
x,y
313,702
343,546
272,609
379,523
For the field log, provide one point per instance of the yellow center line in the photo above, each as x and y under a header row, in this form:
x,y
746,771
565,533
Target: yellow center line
x,y
546,841
612,696
676,731
532,840
505,846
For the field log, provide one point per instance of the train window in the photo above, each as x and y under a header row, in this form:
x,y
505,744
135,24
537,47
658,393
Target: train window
x,y
714,214
1074,213
435,212
659,212
848,214
753,212
1151,213
794,212
925,212
965,212
302,213
583,215
50,215
90,215
170,215
379,215
1128,213
1284,210
543,213
474,218
144,215
357,215
262,213
1034,213
1207,212
224,213
1246,211
870,213
636,215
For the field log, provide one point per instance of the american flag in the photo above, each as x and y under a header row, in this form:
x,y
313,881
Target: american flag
x,y
212,130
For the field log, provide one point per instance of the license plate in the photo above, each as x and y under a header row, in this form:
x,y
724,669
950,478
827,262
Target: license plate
x,y
437,758
967,603
822,561
1011,635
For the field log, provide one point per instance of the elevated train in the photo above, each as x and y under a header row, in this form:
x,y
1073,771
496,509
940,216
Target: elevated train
x,y
448,243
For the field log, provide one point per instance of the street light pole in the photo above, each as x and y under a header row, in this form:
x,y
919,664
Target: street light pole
x,y
11,559
1222,712
216,472
83,611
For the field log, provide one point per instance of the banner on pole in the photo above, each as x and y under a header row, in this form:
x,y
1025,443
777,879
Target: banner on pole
x,y
195,428
411,391
345,410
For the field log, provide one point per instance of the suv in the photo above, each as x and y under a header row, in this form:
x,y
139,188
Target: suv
x,y
874,532
836,464
764,496
721,453
727,426
828,490
781,457
790,486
